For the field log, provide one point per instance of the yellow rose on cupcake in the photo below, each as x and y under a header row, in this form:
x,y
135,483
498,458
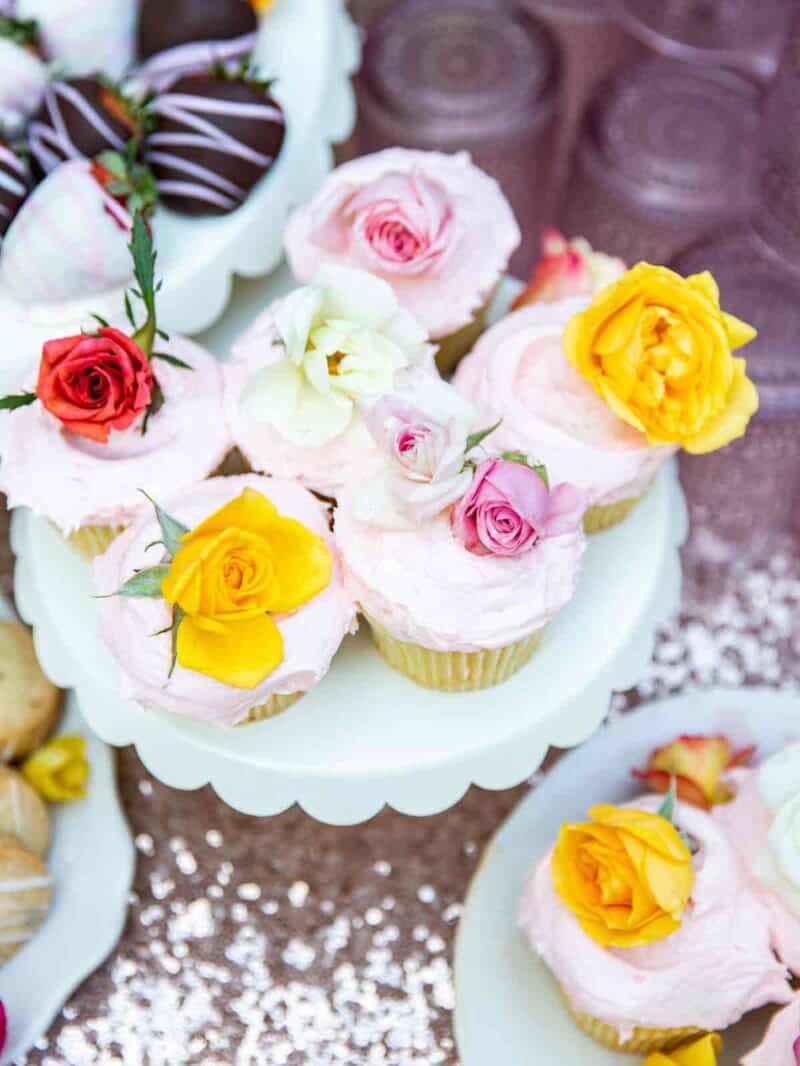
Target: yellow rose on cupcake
x,y
657,348
626,875
702,1052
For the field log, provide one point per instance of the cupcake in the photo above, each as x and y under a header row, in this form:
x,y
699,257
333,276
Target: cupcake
x,y
226,605
112,411
434,226
646,922
457,555
605,392
295,377
781,1043
568,269
763,825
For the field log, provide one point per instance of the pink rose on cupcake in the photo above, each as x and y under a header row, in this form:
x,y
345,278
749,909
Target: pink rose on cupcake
x,y
509,509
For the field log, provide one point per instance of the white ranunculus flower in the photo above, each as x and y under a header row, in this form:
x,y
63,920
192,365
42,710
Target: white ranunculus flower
x,y
345,336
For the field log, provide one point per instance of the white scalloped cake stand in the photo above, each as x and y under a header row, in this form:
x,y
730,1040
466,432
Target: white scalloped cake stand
x,y
312,49
505,995
366,736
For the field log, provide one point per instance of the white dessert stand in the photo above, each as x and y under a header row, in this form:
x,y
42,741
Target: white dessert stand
x,y
91,859
311,48
506,998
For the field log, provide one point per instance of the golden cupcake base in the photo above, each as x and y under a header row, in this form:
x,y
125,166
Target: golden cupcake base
x,y
643,1042
91,541
455,346
275,705
606,516
454,671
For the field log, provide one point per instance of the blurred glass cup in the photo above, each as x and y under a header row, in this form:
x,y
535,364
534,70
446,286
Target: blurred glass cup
x,y
480,75
667,154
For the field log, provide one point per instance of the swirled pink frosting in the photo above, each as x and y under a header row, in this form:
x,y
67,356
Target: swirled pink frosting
x,y
311,635
347,459
425,588
76,482
776,1049
517,372
717,966
747,822
460,224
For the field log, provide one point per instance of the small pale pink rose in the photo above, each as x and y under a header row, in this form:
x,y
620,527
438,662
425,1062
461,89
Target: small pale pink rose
x,y
396,224
509,509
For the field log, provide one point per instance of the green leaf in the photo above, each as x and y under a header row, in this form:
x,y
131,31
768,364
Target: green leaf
x,y
144,264
23,32
171,529
99,319
22,399
525,460
178,615
115,164
173,360
667,808
147,583
156,403
474,439
129,310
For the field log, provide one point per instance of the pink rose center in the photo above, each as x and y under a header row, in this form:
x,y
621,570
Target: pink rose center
x,y
502,530
393,238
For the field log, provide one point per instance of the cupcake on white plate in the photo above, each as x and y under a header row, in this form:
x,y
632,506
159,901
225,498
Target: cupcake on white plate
x,y
606,391
434,226
457,555
227,603
295,377
111,411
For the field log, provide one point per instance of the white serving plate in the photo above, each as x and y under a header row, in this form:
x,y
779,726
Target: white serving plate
x,y
312,48
91,859
507,1004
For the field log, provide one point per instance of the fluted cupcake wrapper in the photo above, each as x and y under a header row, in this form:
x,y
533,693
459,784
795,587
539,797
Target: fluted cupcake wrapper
x,y
455,346
91,541
454,671
605,516
275,705
644,1041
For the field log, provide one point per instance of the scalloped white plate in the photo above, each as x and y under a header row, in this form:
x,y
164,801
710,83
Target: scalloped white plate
x,y
312,48
366,736
91,859
505,996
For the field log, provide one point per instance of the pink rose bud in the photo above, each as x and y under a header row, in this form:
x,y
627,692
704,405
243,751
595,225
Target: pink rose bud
x,y
509,509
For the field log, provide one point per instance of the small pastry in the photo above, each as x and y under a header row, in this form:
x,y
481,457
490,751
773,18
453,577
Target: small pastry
x,y
197,35
85,36
568,269
458,557
295,378
781,1043
233,600
113,411
81,118
648,926
71,237
23,74
29,703
216,134
763,824
604,394
22,812
14,186
434,226
25,888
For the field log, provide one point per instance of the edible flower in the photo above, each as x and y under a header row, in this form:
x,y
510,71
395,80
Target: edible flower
x,y
59,769
568,269
702,1052
657,347
626,875
697,764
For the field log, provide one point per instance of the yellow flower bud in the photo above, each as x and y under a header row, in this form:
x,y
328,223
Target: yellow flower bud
x,y
59,769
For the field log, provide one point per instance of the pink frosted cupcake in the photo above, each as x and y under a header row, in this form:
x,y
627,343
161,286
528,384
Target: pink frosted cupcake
x,y
646,922
781,1044
434,226
295,378
604,392
458,557
763,825
112,411
226,604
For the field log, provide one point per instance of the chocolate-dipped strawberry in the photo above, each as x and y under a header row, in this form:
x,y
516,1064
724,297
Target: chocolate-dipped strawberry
x,y
85,36
82,117
23,74
14,186
216,135
197,34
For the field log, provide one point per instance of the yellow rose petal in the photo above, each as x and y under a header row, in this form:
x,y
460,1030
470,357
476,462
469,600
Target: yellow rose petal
x,y
739,333
251,511
302,560
242,654
702,1052
732,421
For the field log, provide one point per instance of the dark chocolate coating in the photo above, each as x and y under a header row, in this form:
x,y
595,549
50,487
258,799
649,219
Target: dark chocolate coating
x,y
165,25
86,138
184,164
14,186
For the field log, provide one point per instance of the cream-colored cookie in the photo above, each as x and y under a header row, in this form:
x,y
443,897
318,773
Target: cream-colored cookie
x,y
25,888
23,813
29,704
